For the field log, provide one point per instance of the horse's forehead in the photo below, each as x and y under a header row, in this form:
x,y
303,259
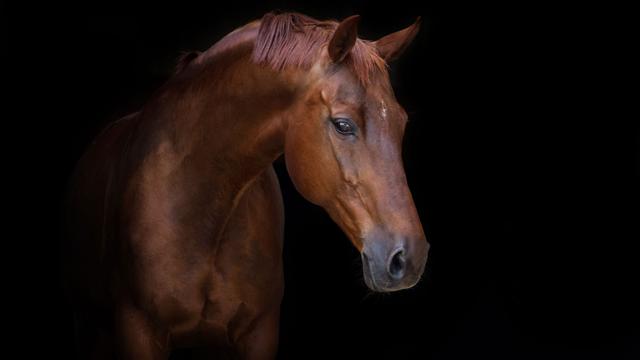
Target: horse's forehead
x,y
380,101
375,96
376,100
346,80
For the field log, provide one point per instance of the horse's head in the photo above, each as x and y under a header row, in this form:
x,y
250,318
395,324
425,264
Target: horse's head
x,y
343,152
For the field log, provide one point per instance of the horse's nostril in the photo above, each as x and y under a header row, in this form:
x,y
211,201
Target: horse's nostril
x,y
397,264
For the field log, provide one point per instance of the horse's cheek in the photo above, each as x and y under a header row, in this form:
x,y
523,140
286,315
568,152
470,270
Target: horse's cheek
x,y
306,167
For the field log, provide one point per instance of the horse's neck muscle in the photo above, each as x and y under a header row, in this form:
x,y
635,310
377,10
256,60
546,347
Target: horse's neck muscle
x,y
209,136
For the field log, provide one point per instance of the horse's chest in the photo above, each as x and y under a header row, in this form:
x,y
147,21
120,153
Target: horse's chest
x,y
229,307
219,295
244,281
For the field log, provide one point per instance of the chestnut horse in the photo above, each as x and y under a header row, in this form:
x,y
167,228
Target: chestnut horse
x,y
175,212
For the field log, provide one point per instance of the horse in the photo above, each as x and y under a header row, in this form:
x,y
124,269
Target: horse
x,y
175,215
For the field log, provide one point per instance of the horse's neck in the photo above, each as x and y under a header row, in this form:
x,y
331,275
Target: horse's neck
x,y
213,132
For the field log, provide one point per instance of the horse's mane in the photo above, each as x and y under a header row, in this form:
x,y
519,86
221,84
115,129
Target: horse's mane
x,y
294,40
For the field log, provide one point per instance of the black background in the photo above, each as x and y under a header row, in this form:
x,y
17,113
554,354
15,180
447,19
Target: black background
x,y
524,174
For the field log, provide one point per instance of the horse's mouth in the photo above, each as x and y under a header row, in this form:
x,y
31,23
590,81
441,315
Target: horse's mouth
x,y
369,278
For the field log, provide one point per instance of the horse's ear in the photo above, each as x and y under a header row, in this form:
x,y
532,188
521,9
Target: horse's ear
x,y
344,38
390,47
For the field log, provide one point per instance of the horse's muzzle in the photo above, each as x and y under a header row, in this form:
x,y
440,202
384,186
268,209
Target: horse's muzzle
x,y
390,265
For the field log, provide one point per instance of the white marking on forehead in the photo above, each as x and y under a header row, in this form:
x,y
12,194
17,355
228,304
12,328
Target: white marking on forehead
x,y
383,109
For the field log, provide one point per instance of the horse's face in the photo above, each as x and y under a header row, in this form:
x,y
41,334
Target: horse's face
x,y
343,152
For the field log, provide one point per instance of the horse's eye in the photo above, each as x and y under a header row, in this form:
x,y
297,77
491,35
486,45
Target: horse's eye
x,y
344,126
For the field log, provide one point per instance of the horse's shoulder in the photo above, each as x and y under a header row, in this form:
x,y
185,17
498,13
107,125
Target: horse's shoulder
x,y
260,207
266,189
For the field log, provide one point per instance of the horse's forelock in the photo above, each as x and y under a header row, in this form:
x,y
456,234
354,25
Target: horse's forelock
x,y
294,40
